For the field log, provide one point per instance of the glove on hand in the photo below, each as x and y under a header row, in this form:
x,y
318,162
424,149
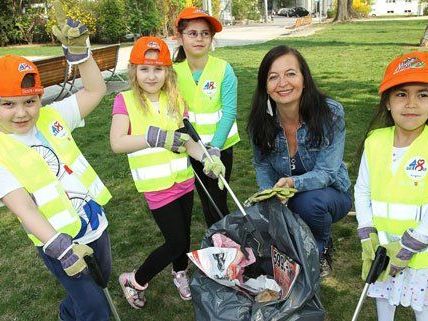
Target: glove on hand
x,y
73,35
283,193
369,243
401,252
399,258
71,255
214,168
168,139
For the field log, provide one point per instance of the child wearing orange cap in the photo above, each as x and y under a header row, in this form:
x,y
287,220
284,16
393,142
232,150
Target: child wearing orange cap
x,y
47,182
209,87
146,125
391,192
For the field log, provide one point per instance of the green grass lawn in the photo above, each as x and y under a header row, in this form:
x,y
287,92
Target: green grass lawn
x,y
347,61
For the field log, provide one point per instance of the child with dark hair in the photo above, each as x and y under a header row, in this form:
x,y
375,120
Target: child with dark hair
x,y
209,87
391,193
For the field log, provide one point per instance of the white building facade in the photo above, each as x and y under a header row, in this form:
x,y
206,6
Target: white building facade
x,y
397,7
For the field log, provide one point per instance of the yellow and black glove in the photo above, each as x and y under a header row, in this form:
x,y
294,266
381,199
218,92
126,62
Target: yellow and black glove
x,y
73,35
369,243
214,167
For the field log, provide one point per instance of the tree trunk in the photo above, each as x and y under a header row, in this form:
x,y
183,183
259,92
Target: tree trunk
x,y
342,11
424,39
351,11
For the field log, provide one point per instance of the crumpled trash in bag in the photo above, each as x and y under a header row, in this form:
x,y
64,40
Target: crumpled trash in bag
x,y
290,235
283,193
267,296
236,268
214,262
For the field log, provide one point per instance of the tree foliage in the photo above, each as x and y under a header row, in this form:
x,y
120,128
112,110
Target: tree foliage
x,y
111,22
246,9
83,10
142,17
7,22
169,10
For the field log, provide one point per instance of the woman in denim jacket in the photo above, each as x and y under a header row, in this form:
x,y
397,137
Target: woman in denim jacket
x,y
298,138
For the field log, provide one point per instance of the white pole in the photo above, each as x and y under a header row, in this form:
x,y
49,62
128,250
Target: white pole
x,y
210,11
266,11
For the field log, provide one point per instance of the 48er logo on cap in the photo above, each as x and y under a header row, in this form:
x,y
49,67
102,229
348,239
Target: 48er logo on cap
x,y
153,45
24,67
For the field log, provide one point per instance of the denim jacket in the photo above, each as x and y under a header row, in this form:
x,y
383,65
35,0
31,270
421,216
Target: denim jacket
x,y
324,164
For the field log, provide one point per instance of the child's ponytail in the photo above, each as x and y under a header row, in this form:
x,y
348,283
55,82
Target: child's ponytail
x,y
179,54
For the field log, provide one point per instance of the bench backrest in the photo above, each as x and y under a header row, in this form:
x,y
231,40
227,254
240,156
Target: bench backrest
x,y
52,70
105,57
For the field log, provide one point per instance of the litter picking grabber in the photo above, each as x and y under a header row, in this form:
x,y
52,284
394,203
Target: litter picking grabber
x,y
249,228
379,264
208,195
95,272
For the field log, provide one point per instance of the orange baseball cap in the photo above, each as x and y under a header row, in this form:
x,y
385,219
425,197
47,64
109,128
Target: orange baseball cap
x,y
190,13
142,45
13,69
410,67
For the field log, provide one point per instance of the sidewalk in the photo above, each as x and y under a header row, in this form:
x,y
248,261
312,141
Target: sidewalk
x,y
237,35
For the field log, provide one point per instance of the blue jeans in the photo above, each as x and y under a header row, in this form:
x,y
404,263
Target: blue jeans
x,y
85,300
319,209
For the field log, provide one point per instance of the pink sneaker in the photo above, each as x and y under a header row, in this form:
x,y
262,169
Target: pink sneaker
x,y
134,293
182,283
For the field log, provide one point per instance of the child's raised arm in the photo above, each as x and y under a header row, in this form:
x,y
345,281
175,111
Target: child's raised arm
x,y
74,37
94,87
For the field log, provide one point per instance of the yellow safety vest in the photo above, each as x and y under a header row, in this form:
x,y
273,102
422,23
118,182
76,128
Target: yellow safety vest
x,y
398,199
204,99
154,169
56,132
33,173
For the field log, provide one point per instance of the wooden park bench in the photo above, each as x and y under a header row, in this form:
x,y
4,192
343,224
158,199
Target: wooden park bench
x,y
106,59
55,70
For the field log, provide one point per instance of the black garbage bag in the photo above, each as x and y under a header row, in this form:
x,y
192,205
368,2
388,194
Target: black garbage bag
x,y
277,226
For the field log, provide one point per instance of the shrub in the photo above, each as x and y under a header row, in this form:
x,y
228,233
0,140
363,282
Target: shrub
x,y
246,9
361,8
331,13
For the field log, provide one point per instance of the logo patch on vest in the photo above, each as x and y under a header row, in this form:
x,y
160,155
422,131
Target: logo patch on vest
x,y
209,88
416,168
58,130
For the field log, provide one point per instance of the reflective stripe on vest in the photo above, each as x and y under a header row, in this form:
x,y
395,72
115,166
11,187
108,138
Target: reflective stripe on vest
x,y
204,99
399,200
56,132
34,175
207,125
155,169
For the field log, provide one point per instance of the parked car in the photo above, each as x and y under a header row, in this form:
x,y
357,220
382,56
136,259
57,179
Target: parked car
x,y
283,12
293,12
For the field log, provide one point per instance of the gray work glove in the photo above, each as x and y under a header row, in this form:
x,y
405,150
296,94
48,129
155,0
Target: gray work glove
x,y
73,35
168,139
71,255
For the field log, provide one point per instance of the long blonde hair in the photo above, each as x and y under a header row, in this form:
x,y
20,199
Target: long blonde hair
x,y
170,88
